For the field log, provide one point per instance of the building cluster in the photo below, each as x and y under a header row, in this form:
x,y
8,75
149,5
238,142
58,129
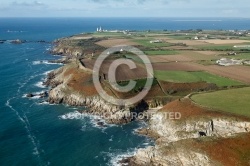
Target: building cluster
x,y
229,62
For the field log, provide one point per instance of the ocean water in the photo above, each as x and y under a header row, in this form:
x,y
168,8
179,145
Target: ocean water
x,y
32,132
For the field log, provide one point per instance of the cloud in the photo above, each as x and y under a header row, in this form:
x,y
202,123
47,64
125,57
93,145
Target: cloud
x,y
33,4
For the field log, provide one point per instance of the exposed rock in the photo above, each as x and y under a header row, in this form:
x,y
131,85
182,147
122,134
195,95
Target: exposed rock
x,y
173,135
29,95
62,93
17,41
2,41
43,94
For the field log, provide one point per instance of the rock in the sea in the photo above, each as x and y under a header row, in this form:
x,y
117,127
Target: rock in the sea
x,y
2,41
43,94
29,95
41,41
100,124
17,41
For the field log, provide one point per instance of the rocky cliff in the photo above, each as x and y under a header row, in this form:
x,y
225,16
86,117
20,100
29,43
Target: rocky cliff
x,y
64,90
175,138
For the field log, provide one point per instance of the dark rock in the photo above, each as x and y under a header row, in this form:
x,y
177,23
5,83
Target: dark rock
x,y
30,95
2,41
17,41
44,94
41,41
100,124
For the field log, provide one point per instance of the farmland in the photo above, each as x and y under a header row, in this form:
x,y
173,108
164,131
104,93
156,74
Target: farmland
x,y
235,101
199,76
146,43
161,52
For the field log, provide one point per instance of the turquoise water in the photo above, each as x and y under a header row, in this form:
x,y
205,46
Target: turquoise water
x,y
32,133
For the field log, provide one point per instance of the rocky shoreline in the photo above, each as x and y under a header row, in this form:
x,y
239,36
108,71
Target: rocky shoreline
x,y
62,93
178,142
175,139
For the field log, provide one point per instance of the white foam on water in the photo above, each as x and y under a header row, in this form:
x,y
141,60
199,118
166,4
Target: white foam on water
x,y
142,124
116,157
37,62
111,139
44,103
40,84
93,120
52,63
26,124
45,62
72,115
47,72
36,97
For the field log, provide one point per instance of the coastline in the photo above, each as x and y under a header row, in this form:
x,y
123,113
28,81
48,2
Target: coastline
x,y
169,135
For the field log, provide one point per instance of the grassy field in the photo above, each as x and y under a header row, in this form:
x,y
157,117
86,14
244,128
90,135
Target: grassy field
x,y
161,52
233,101
146,43
140,84
245,56
183,76
181,37
134,58
222,47
108,34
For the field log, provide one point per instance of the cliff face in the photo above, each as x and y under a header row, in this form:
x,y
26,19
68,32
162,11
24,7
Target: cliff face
x,y
174,154
173,146
194,128
66,89
77,46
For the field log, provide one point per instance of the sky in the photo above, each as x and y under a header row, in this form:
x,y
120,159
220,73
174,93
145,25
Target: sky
x,y
125,8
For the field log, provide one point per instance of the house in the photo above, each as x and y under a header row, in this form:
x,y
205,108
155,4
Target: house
x,y
196,38
229,62
231,53
155,41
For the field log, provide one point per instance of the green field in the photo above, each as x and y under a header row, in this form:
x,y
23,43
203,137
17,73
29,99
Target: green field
x,y
181,37
134,58
222,47
146,43
161,52
183,77
245,56
108,34
140,84
233,101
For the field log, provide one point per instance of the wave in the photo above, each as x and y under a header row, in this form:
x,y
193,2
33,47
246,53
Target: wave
x,y
118,155
94,121
10,31
40,84
46,62
72,115
47,72
36,95
26,124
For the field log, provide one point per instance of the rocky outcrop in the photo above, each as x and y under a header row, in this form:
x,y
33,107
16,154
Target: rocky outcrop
x,y
61,92
77,48
18,41
194,128
170,155
172,136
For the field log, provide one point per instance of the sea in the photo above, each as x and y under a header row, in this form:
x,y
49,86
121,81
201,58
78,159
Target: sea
x,y
34,132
